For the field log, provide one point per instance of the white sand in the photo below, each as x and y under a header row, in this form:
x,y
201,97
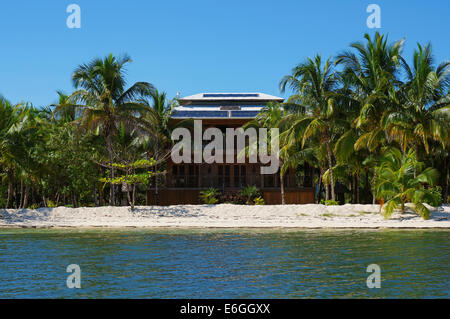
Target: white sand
x,y
224,215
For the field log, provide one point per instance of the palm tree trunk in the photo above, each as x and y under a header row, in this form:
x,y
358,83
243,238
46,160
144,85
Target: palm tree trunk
x,y
133,199
21,193
25,197
357,188
325,186
156,187
313,183
10,186
374,199
446,181
111,168
283,202
352,188
330,167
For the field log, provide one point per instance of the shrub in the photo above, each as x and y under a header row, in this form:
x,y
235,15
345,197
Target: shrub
x,y
233,198
435,199
250,192
209,196
329,202
401,179
259,201
50,204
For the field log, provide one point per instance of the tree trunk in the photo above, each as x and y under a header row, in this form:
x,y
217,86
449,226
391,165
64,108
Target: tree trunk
x,y
353,190
74,201
21,193
129,197
95,196
330,167
10,186
156,187
133,199
446,171
57,199
313,183
357,188
111,168
25,197
283,202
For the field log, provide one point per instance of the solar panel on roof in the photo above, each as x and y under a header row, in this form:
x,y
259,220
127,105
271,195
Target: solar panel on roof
x,y
230,95
205,114
244,113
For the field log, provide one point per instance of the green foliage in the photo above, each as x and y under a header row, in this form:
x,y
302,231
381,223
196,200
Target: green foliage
x,y
401,179
259,200
210,196
51,204
436,197
329,202
250,192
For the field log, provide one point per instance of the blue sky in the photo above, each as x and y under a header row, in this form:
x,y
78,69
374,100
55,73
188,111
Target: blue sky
x,y
196,46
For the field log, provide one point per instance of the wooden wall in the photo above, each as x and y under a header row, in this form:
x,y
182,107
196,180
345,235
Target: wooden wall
x,y
168,197
297,196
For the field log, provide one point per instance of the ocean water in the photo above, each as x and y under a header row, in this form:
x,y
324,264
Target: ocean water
x,y
231,263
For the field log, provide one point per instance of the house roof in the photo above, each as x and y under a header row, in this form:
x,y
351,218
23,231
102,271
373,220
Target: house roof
x,y
203,97
223,105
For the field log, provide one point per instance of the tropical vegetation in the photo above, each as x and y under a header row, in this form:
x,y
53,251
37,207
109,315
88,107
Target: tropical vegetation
x,y
366,119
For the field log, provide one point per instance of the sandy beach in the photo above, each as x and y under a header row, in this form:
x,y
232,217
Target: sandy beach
x,y
223,215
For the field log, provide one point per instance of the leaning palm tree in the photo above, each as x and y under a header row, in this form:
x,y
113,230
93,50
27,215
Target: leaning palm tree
x,y
397,182
315,87
105,102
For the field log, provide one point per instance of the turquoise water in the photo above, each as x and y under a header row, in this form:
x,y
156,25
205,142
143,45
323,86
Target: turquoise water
x,y
224,263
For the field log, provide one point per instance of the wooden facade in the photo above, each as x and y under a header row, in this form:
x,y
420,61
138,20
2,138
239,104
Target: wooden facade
x,y
183,182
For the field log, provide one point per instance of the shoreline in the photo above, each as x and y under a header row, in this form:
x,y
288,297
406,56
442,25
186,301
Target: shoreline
x,y
222,216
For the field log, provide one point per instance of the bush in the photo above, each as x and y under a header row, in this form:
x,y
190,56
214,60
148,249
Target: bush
x,y
210,196
259,201
435,199
232,197
329,202
50,204
249,193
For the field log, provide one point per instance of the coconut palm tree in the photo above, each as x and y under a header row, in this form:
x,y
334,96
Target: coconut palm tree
x,y
397,182
105,102
156,130
13,118
315,87
372,74
270,117
425,115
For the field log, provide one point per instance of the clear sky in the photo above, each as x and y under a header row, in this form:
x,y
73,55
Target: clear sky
x,y
196,46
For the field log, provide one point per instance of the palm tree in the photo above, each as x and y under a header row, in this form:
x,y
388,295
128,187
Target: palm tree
x,y
372,74
104,100
13,118
396,182
426,106
156,129
269,117
315,91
